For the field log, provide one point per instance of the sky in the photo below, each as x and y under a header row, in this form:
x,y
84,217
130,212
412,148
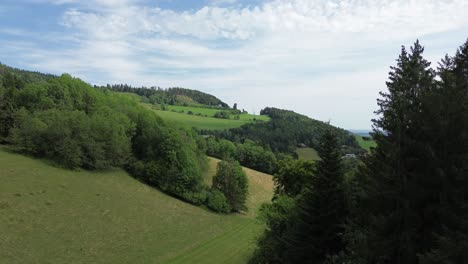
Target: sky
x,y
325,59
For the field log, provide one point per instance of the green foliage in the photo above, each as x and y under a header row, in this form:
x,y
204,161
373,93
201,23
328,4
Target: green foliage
x,y
248,154
171,96
232,182
279,217
305,222
321,209
292,176
218,202
77,126
220,148
256,157
222,115
285,131
398,166
410,205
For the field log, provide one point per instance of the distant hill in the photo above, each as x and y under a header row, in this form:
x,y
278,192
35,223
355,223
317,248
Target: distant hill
x,y
288,130
172,96
24,75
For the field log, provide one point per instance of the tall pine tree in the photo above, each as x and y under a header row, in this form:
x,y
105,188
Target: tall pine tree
x,y
321,210
450,133
400,190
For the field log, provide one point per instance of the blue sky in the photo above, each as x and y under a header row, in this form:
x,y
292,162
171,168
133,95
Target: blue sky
x,y
325,59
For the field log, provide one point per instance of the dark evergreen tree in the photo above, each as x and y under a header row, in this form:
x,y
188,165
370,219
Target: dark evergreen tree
x,y
451,150
401,190
321,210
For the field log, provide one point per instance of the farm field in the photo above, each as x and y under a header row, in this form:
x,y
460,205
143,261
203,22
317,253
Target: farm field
x,y
307,154
211,112
200,122
52,215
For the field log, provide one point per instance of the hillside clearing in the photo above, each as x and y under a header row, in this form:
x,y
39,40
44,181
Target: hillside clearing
x,y
210,112
200,122
307,154
365,144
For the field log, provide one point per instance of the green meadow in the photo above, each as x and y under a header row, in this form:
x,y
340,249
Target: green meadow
x,y
210,112
365,144
307,154
52,215
204,120
200,122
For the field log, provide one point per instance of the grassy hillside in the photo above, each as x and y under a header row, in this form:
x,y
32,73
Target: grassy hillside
x,y
200,122
210,112
307,154
51,215
365,144
260,186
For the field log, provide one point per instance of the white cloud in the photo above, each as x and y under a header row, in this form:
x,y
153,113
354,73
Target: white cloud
x,y
327,59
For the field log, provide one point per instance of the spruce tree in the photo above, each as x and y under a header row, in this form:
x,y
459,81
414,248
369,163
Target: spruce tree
x,y
451,149
321,210
401,186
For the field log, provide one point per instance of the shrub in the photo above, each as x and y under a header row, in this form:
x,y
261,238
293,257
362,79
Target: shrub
x,y
232,181
216,201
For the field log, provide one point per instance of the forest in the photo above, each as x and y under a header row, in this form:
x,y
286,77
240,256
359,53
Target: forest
x,y
405,202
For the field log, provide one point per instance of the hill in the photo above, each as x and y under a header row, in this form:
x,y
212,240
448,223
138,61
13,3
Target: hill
x,y
287,130
52,215
199,117
25,76
171,96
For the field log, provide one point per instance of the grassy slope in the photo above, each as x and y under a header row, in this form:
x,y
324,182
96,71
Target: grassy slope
x,y
51,215
260,185
211,112
365,144
199,121
307,153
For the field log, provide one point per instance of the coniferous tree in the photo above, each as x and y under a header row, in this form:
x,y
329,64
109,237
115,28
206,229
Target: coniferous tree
x,y
451,150
401,189
321,210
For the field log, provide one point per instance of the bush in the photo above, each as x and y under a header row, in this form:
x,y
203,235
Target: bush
x,y
222,115
231,180
216,201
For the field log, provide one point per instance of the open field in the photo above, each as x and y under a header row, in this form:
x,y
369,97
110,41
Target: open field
x,y
365,144
52,215
211,112
307,154
200,122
